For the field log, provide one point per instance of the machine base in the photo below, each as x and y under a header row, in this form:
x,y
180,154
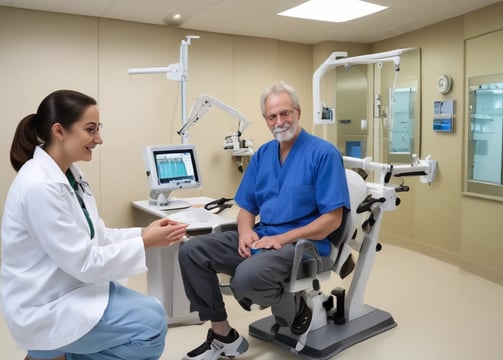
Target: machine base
x,y
326,342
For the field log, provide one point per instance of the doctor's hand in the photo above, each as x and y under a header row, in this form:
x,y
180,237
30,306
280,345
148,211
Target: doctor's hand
x,y
246,240
163,232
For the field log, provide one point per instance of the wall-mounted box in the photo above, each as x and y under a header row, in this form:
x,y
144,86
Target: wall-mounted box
x,y
443,107
443,115
443,124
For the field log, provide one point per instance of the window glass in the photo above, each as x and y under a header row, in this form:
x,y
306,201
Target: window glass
x,y
485,146
402,125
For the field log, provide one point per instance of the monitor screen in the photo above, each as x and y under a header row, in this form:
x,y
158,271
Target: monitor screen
x,y
168,168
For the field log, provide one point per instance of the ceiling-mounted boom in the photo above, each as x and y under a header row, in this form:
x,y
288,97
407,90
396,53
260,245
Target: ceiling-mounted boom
x,y
339,58
178,71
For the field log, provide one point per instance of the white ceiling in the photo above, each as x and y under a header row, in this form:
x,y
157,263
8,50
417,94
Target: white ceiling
x,y
258,17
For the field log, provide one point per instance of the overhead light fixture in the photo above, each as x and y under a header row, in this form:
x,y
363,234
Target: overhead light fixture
x,y
332,10
173,18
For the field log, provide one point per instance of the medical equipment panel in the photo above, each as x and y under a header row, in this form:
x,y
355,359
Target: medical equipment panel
x,y
168,168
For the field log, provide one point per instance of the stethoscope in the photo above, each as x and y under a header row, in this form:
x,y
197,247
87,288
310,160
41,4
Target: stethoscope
x,y
84,186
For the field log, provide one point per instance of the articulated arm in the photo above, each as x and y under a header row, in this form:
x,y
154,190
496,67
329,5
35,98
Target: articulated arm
x,y
426,169
232,142
384,193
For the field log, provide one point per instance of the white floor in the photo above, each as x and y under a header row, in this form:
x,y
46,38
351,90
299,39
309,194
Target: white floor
x,y
442,314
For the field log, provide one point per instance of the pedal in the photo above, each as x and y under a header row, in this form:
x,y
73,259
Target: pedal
x,y
348,267
328,304
340,295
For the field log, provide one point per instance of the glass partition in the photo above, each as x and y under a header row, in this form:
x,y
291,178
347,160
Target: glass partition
x,y
400,115
485,145
351,94
401,120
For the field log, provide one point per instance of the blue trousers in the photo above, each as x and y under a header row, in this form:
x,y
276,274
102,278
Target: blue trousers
x,y
133,327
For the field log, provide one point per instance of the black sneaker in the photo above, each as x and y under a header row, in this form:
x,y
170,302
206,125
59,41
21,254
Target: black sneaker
x,y
302,318
216,346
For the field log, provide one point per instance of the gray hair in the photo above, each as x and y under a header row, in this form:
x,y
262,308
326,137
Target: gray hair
x,y
278,88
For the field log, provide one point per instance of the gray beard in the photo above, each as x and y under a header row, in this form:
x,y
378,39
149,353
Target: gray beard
x,y
285,136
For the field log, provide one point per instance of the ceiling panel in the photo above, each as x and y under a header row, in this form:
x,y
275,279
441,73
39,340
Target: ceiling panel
x,y
76,7
258,17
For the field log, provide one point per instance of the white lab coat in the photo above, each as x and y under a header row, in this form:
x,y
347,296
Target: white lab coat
x,y
55,279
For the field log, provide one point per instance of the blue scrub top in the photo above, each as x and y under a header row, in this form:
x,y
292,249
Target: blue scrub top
x,y
311,182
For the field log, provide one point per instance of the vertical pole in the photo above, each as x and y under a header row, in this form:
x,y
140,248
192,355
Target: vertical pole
x,y
183,86
184,63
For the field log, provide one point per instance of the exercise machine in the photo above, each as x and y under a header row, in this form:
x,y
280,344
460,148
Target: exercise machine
x,y
342,319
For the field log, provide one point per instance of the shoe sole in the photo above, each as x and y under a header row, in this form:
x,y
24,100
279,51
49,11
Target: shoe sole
x,y
243,346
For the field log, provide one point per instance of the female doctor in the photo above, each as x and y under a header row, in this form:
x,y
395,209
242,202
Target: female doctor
x,y
59,261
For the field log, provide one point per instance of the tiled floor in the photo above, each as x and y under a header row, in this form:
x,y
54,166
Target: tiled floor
x,y
442,314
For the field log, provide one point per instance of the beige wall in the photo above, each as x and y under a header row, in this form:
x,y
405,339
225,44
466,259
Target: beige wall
x,y
480,238
429,216
440,220
93,55
40,53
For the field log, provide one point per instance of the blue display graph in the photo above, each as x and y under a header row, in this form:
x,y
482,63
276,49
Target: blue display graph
x,y
171,169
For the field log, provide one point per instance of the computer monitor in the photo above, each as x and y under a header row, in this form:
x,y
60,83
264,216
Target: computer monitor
x,y
171,167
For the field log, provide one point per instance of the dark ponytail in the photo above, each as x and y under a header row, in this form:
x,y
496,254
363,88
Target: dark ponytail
x,y
24,142
63,106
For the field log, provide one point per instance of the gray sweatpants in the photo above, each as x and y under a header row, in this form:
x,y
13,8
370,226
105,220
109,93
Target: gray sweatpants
x,y
258,279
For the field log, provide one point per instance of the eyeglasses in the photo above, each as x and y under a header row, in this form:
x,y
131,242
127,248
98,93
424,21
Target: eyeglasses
x,y
94,129
283,115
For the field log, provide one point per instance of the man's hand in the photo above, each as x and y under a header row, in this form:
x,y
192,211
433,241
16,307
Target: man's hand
x,y
268,242
246,241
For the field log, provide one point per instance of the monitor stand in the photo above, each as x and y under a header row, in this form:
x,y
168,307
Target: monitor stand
x,y
162,200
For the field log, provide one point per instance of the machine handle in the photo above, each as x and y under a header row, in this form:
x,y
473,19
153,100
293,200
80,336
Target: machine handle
x,y
366,204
